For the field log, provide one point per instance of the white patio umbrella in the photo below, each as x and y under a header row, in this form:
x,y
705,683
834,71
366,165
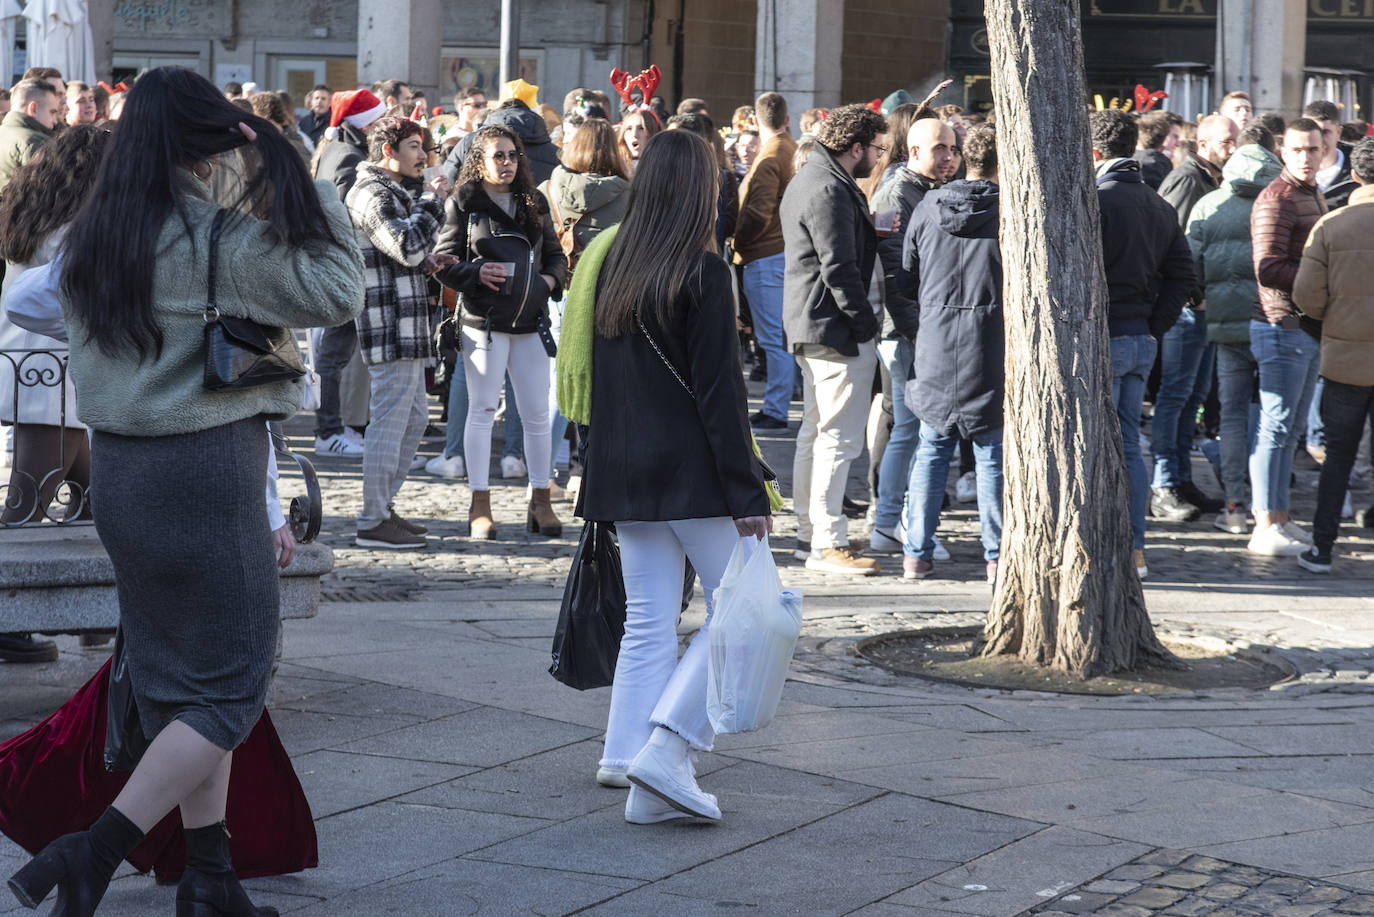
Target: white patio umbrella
x,y
60,36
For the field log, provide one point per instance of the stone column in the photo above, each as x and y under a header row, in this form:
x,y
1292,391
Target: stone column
x,y
797,52
1263,50
401,41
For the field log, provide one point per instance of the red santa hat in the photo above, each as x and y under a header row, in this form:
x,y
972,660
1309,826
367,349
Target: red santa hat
x,y
358,107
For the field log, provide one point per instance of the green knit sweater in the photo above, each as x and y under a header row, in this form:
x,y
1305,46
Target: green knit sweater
x,y
574,365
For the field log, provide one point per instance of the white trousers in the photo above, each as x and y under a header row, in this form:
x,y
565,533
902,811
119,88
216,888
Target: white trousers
x,y
486,362
836,393
652,687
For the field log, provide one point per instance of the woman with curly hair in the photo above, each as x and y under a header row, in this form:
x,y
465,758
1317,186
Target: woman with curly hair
x,y
497,223
51,447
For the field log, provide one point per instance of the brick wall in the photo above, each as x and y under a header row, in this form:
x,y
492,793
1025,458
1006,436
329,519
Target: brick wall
x,y
718,53
893,45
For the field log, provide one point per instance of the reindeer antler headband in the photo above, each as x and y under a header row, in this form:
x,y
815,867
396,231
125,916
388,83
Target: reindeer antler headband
x,y
646,83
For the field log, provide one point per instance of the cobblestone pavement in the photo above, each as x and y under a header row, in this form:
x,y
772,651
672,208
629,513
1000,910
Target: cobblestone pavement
x,y
450,775
1174,882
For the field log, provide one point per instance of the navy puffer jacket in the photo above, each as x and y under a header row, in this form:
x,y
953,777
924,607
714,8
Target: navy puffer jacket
x,y
953,267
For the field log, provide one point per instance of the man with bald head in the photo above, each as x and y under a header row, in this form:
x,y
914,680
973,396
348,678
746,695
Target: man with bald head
x,y
930,148
1186,357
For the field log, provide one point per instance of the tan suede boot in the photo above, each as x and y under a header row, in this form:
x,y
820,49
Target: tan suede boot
x,y
479,515
541,518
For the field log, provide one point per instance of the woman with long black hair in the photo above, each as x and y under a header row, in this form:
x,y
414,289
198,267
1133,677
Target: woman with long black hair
x,y
177,470
670,462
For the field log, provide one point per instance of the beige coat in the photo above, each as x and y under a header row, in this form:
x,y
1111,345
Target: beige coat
x,y
1335,285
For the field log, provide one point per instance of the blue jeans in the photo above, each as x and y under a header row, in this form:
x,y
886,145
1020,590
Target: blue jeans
x,y
1133,356
1236,371
458,412
1185,380
1288,362
1316,427
763,288
895,470
929,476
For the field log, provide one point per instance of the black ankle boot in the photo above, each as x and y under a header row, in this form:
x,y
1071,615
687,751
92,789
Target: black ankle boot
x,y
79,865
210,887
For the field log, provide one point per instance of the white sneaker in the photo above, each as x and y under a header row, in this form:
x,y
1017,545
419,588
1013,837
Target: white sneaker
x,y
442,467
418,463
1235,521
338,446
1273,541
941,552
352,434
644,808
1298,533
512,466
881,542
613,777
669,777
966,488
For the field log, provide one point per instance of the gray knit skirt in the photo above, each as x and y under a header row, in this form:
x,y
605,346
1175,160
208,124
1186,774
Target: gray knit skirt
x,y
184,520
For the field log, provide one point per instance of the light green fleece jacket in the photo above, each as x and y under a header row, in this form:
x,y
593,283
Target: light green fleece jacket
x,y
260,278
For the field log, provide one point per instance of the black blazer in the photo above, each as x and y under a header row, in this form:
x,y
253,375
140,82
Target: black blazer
x,y
656,452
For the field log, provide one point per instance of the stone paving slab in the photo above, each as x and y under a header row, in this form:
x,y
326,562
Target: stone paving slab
x,y
1020,875
449,774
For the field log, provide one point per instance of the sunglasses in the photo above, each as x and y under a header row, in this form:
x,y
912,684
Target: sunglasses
x,y
503,156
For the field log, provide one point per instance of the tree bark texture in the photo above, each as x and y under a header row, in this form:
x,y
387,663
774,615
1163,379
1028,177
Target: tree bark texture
x,y
1067,594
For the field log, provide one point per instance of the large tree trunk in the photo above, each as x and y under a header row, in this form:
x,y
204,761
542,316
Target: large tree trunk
x,y
1067,593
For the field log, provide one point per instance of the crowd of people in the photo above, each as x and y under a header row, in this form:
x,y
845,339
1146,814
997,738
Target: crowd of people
x,y
604,271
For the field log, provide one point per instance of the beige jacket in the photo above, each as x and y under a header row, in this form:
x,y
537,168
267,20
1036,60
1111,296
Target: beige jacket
x,y
1335,285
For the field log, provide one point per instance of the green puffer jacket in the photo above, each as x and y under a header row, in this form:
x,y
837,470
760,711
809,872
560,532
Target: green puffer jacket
x,y
1219,235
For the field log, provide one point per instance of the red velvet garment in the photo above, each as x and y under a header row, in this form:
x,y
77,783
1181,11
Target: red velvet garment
x,y
53,782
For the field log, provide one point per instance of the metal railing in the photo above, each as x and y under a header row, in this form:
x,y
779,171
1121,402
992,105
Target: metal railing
x,y
34,392
34,399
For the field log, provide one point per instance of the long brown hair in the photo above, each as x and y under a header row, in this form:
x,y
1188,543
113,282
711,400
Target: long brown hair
x,y
49,190
670,219
592,150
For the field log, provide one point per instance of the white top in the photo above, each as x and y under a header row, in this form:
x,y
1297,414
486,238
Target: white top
x,y
1327,177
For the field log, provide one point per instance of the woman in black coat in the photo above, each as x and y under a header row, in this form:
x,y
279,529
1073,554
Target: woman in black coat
x,y
497,225
670,462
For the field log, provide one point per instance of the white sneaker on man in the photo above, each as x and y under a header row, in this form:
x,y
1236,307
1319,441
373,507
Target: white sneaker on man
x,y
1233,519
513,466
445,467
338,446
1273,541
644,808
966,488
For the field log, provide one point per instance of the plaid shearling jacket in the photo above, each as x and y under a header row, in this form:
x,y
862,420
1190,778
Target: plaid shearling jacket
x,y
395,232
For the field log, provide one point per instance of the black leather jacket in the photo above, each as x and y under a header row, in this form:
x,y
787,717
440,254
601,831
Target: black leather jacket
x,y
477,230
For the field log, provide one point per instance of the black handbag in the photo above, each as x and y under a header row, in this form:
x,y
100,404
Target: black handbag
x,y
591,621
240,353
125,742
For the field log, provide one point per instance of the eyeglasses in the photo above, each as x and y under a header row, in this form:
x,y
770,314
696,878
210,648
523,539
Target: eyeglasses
x,y
882,150
503,156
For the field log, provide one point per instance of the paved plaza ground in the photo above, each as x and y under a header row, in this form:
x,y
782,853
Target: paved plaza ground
x,y
450,775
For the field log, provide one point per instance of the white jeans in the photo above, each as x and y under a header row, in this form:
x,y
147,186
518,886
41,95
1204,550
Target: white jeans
x,y
486,363
652,688
836,393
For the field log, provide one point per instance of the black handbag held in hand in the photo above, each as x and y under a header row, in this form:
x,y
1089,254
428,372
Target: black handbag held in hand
x,y
240,353
591,621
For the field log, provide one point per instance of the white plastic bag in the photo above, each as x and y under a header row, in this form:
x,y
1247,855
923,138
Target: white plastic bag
x,y
754,629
